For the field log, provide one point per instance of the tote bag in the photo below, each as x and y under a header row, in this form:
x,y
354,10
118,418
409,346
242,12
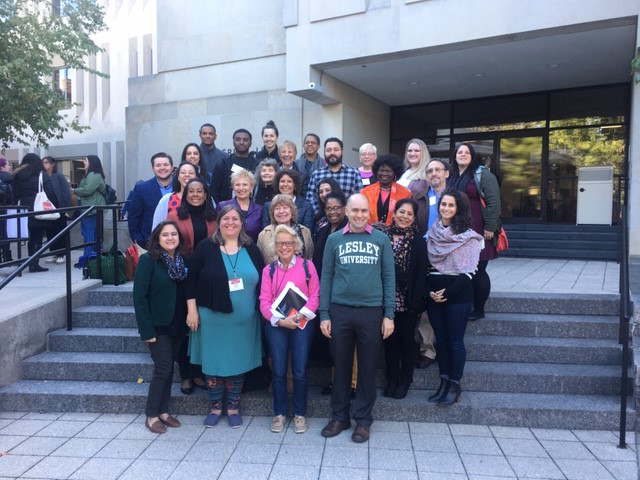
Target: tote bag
x,y
42,203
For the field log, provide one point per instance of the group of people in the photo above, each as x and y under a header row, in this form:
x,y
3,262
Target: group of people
x,y
34,175
254,255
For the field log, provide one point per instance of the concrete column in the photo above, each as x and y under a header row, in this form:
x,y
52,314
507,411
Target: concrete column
x,y
634,165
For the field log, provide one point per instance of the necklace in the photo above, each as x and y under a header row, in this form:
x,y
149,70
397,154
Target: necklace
x,y
232,264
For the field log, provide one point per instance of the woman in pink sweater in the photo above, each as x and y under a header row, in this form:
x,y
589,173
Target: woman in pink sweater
x,y
288,329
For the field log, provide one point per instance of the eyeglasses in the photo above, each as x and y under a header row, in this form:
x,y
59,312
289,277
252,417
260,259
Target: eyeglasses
x,y
286,244
435,170
367,154
333,209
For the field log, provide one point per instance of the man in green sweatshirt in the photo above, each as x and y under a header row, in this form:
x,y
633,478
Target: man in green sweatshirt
x,y
357,300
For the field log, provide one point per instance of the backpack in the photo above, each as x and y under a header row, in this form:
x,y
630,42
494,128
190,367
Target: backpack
x,y
6,193
305,265
110,195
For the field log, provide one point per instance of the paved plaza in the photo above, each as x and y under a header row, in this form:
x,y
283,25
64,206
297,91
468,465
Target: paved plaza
x,y
106,446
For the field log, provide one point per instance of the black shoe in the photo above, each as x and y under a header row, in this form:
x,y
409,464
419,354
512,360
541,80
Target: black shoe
x,y
401,390
334,427
476,315
451,395
37,268
441,388
186,390
424,362
390,388
327,390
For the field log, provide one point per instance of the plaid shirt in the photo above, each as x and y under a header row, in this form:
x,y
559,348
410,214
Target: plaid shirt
x,y
347,177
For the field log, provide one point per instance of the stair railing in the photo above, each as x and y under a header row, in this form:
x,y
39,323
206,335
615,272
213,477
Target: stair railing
x,y
625,315
66,233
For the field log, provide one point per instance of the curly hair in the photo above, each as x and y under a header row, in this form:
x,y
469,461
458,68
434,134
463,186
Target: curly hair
x,y
183,210
293,175
461,221
289,231
392,161
153,247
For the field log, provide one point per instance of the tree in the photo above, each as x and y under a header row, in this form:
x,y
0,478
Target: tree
x,y
33,35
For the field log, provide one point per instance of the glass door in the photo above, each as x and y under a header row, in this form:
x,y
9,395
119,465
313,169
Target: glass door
x,y
520,176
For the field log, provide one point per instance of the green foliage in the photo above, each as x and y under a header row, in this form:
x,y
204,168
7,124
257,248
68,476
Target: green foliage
x,y
31,39
635,68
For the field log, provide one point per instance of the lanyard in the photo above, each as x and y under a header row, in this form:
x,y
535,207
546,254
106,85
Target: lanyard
x,y
232,265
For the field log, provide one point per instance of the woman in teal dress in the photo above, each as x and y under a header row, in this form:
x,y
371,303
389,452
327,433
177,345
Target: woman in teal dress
x,y
223,285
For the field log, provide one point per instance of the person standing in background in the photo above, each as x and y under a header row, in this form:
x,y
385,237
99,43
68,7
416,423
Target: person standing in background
x,y
62,199
212,155
310,160
145,198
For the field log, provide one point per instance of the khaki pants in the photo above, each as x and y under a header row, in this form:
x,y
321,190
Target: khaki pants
x,y
426,332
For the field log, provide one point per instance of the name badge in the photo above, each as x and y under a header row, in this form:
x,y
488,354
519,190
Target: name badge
x,y
432,201
235,285
366,181
235,168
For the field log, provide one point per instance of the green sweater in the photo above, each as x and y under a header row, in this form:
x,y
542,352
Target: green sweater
x,y
358,270
91,190
154,296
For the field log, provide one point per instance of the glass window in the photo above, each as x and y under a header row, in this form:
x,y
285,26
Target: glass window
x,y
420,121
494,114
62,84
570,149
593,106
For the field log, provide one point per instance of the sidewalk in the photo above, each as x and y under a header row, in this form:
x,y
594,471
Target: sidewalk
x,y
95,446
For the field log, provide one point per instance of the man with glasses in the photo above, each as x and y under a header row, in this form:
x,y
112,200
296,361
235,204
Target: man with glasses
x,y
437,174
310,160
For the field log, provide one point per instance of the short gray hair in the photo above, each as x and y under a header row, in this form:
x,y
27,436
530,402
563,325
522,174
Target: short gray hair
x,y
368,146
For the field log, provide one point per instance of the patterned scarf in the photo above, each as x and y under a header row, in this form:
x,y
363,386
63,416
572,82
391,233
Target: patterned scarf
x,y
298,230
451,253
401,252
175,267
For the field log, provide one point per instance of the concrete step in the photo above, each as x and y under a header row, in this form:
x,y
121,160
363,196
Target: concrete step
x,y
531,250
103,316
508,409
500,302
507,324
479,376
486,348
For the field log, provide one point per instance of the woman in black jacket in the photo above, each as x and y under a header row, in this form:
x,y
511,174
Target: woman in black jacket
x,y
25,187
61,198
410,255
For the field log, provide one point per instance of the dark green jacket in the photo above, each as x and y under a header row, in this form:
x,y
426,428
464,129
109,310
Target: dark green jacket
x,y
154,296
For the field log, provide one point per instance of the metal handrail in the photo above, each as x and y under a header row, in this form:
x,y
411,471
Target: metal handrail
x,y
625,315
66,232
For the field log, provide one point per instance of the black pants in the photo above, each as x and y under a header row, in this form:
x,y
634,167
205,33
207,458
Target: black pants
x,y
351,327
36,234
164,351
55,227
400,348
5,246
185,367
481,287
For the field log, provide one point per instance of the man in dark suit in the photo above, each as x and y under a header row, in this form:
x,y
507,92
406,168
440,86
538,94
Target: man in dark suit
x,y
145,198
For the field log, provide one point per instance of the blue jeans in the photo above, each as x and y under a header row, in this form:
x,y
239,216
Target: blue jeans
x,y
281,340
88,230
449,322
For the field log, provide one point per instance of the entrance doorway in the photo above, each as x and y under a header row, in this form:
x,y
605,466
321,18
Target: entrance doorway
x,y
517,162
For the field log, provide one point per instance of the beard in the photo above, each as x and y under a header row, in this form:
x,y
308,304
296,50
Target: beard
x,y
333,160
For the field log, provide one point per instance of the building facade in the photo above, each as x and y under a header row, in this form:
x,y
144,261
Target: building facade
x,y
542,88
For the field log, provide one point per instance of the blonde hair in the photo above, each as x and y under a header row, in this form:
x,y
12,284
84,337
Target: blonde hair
x,y
421,172
284,199
291,145
242,174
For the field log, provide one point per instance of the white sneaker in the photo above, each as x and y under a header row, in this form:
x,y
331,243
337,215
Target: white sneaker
x,y
51,260
277,424
60,260
299,424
